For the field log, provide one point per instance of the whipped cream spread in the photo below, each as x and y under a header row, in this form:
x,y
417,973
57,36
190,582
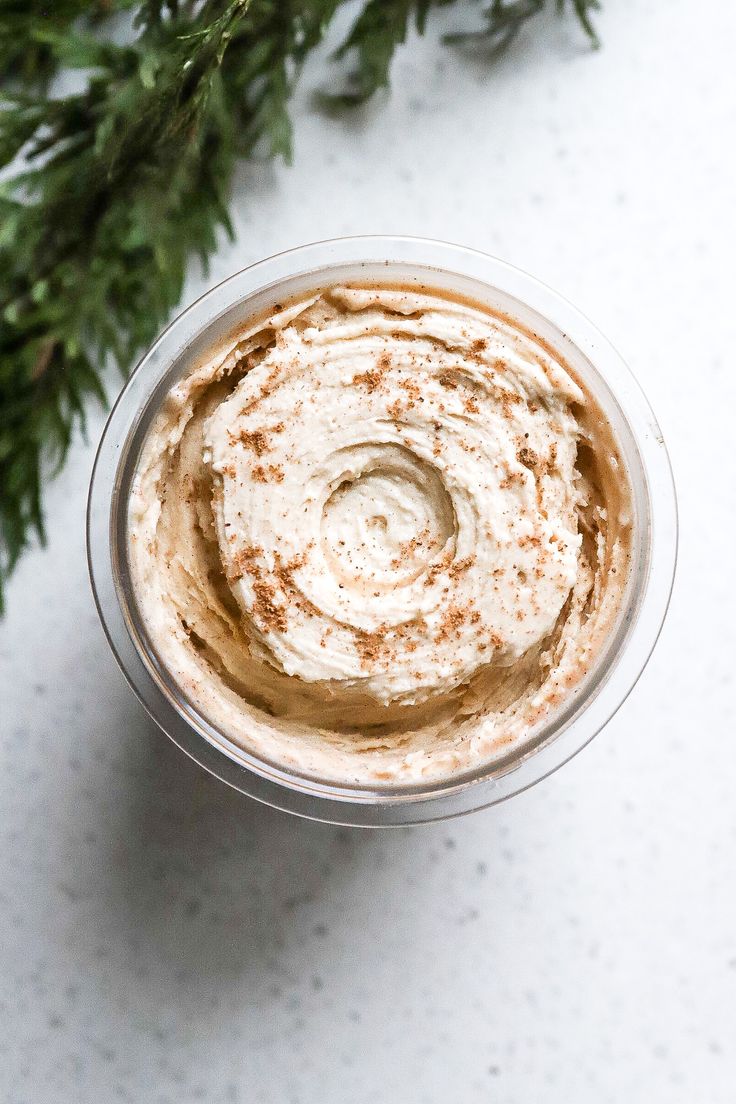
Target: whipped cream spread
x,y
379,535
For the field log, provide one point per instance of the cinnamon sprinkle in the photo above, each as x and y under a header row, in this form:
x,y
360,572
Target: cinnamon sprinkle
x,y
266,609
461,566
370,646
256,440
412,389
528,457
271,474
452,621
373,377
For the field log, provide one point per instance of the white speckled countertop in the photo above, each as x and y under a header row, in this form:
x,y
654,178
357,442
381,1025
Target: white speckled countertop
x,y
163,940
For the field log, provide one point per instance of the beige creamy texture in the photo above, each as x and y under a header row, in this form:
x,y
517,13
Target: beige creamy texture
x,y
379,535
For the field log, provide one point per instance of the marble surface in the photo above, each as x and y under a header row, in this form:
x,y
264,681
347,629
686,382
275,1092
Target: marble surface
x,y
164,940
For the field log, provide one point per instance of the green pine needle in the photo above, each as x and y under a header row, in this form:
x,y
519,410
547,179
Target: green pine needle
x,y
112,189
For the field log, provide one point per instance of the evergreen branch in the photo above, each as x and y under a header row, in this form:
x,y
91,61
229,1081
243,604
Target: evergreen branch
x,y
378,30
582,9
26,56
113,188
504,19
95,239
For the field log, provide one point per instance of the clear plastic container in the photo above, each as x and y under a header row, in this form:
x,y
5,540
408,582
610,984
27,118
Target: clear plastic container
x,y
587,707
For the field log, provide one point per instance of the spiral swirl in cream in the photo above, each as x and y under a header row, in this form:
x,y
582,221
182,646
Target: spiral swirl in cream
x,y
380,535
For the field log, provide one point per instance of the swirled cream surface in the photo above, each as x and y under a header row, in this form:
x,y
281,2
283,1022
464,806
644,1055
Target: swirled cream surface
x,y
379,535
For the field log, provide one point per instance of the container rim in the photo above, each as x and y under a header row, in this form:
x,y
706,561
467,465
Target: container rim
x,y
581,717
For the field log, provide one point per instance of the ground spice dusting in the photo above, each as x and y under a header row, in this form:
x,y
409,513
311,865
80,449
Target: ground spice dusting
x,y
265,608
284,572
509,479
256,440
380,646
407,548
369,646
506,400
438,567
271,474
412,389
244,561
373,377
452,621
527,457
460,566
